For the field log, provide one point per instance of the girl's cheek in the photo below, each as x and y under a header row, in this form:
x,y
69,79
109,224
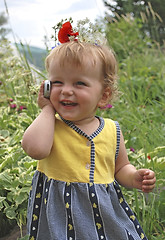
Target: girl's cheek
x,y
54,94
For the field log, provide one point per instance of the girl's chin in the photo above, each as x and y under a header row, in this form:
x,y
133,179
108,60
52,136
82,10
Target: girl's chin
x,y
68,117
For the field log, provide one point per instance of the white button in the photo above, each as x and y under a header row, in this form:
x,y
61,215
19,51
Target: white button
x,y
88,143
87,166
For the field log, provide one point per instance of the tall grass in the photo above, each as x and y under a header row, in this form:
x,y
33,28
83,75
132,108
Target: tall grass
x,y
140,110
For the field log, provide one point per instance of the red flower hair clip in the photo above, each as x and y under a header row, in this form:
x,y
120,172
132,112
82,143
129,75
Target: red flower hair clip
x,y
65,32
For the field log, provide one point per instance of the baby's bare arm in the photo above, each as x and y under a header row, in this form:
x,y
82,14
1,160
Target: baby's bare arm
x,y
38,138
127,175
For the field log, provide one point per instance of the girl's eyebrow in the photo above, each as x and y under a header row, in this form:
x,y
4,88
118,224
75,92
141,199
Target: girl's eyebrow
x,y
56,78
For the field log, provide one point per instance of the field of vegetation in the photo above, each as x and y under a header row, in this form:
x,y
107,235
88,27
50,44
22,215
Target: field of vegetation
x,y
139,108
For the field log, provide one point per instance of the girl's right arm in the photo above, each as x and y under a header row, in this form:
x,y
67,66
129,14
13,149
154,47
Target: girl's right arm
x,y
38,138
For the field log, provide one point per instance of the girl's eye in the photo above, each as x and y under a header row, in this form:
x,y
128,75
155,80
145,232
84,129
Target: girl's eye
x,y
56,83
79,83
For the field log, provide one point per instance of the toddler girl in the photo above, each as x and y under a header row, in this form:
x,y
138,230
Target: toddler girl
x,y
82,157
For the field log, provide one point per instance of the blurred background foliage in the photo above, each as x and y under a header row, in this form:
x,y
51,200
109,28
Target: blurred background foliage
x,y
151,12
139,108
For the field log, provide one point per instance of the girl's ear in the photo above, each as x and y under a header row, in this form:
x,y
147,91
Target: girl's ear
x,y
105,97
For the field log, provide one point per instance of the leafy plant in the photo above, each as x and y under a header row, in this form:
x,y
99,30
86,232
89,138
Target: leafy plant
x,y
149,208
18,108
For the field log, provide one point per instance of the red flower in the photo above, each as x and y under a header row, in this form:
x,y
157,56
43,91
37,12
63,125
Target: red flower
x,y
13,106
107,106
21,108
132,149
65,32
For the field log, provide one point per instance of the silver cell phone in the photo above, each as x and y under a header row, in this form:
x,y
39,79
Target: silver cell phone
x,y
47,88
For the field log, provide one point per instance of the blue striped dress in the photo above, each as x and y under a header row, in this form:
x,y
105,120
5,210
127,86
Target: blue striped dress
x,y
74,193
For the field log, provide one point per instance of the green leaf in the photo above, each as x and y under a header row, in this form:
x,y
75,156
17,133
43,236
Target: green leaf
x,y
4,163
1,202
5,178
2,199
10,212
24,238
21,197
5,133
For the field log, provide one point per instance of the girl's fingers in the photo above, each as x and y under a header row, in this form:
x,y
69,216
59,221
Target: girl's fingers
x,y
148,188
149,175
148,185
149,181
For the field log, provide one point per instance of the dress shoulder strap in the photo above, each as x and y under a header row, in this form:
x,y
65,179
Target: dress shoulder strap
x,y
117,139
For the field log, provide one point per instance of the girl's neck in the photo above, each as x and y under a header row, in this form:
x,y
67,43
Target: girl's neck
x,y
89,125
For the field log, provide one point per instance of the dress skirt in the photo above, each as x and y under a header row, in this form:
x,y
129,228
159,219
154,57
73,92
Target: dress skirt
x,y
79,211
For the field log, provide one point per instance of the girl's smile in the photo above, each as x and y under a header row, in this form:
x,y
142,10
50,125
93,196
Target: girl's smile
x,y
68,105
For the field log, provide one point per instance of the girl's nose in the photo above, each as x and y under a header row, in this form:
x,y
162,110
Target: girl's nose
x,y
67,90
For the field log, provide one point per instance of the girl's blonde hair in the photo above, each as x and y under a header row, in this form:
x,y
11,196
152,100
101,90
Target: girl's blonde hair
x,y
77,52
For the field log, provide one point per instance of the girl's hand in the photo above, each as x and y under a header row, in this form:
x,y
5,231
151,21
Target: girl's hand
x,y
42,101
144,179
38,138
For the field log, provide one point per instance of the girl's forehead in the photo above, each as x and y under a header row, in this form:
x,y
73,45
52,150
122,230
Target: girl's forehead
x,y
85,64
85,68
76,60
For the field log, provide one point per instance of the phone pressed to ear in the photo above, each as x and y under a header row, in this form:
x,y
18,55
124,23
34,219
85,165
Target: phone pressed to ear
x,y
47,88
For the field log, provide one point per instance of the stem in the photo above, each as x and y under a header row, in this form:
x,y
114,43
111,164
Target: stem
x,y
136,203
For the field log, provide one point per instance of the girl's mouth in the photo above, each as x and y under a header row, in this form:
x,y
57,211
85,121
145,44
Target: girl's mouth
x,y
68,103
